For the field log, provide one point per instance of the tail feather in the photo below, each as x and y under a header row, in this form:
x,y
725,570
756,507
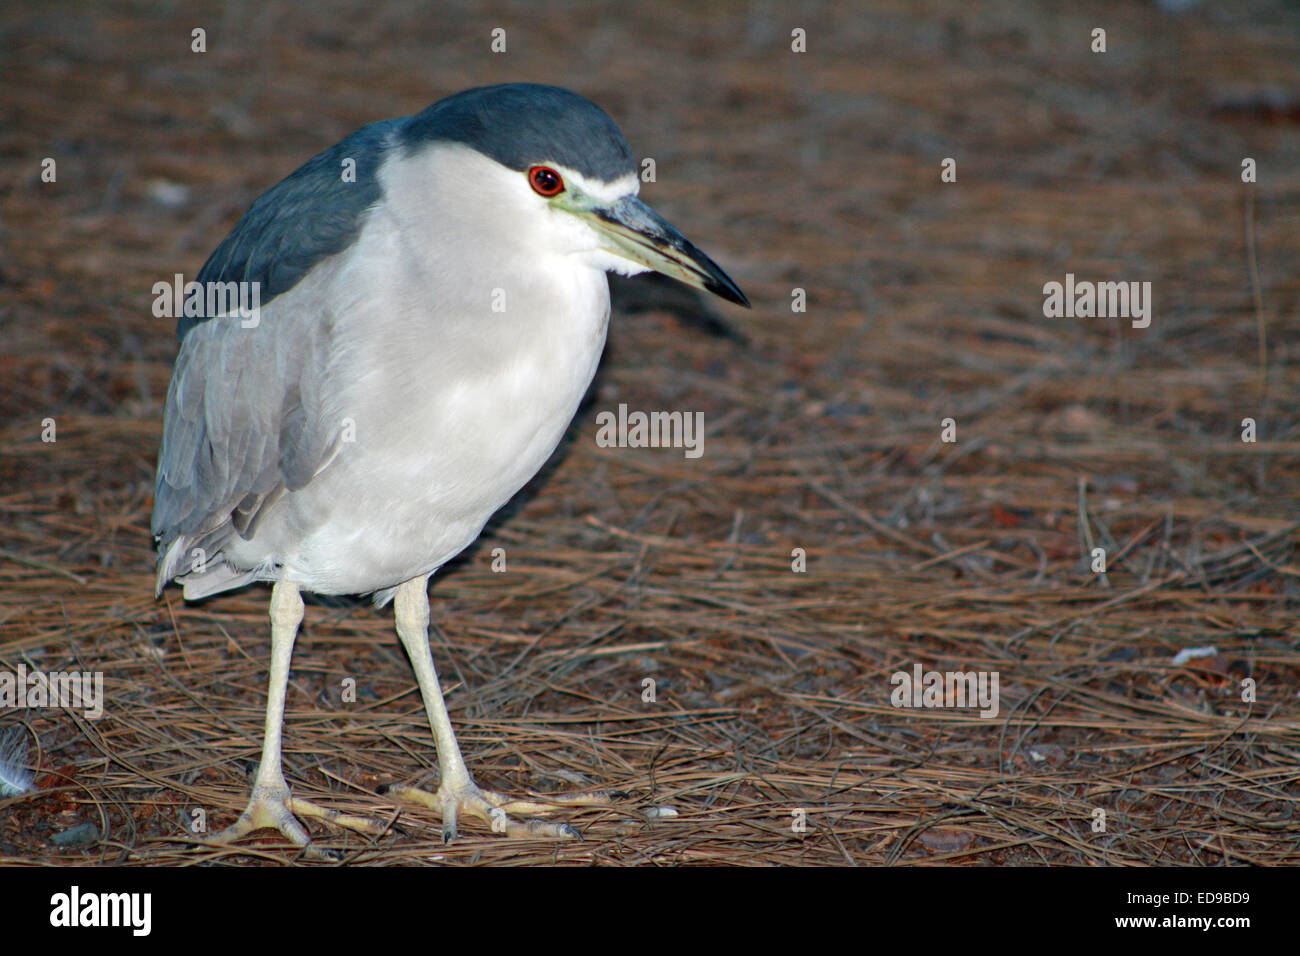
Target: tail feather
x,y
198,564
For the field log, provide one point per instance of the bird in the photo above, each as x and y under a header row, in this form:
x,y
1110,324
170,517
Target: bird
x,y
430,306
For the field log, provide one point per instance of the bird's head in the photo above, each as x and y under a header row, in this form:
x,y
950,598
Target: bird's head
x,y
552,170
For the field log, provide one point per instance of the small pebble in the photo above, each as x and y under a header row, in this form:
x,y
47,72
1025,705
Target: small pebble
x,y
169,195
79,835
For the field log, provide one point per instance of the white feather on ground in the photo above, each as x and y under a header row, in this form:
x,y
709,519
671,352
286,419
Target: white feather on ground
x,y
15,778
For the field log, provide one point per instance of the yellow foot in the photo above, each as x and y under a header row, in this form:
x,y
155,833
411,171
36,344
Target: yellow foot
x,y
494,809
274,808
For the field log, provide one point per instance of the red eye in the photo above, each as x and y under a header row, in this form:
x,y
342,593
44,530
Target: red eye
x,y
545,181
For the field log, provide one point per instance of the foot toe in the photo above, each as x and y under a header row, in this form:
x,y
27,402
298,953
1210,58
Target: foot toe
x,y
273,808
492,808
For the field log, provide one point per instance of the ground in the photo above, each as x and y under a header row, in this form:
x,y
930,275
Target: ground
x,y
907,462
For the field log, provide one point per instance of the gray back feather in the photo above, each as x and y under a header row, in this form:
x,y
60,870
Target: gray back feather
x,y
240,426
310,215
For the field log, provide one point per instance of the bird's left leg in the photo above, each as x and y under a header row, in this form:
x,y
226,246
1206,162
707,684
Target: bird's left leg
x,y
271,804
458,792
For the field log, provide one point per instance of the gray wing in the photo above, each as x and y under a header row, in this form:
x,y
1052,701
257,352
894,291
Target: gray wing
x,y
239,431
241,425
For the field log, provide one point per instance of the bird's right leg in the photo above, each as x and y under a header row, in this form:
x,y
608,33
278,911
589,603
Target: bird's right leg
x,y
271,804
458,792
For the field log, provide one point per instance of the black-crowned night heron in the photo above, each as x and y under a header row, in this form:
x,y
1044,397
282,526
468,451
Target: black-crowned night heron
x,y
433,305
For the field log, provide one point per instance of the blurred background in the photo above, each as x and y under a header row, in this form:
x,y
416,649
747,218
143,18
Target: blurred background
x,y
813,176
